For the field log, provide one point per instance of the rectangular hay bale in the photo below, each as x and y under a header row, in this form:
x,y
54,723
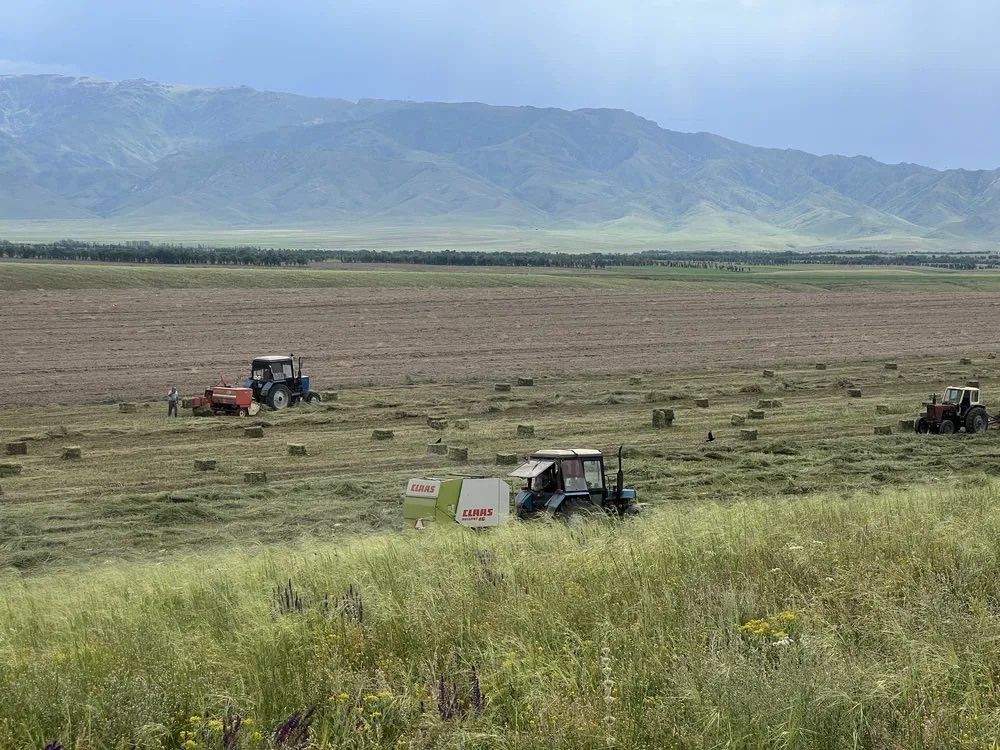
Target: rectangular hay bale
x,y
382,434
748,434
663,417
253,432
458,453
881,408
16,448
965,361
501,387
205,464
127,408
768,373
883,429
891,366
854,392
8,469
755,414
439,449
296,449
507,459
521,381
701,403
737,419
255,477
820,365
526,430
72,452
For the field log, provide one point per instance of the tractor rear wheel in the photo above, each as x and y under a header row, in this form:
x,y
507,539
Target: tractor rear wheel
x,y
976,421
312,398
947,428
920,426
279,397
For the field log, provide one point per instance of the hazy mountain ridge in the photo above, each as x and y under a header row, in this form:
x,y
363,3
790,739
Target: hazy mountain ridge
x,y
143,151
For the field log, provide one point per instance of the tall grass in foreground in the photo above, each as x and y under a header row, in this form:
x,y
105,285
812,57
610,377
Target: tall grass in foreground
x,y
816,623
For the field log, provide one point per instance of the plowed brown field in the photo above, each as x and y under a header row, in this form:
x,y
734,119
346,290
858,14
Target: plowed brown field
x,y
90,345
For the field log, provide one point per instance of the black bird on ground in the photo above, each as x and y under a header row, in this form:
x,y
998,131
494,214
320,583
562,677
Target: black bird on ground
x,y
437,441
710,437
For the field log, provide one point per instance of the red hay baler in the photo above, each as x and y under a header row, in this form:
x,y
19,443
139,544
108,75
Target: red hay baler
x,y
223,398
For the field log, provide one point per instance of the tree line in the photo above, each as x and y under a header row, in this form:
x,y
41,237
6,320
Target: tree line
x,y
736,261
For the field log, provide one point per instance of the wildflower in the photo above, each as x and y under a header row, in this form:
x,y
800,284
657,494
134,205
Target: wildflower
x,y
341,697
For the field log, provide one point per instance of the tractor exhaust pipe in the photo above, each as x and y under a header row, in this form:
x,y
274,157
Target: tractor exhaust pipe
x,y
620,478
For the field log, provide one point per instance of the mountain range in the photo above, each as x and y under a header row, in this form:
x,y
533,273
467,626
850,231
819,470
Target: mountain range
x,y
140,153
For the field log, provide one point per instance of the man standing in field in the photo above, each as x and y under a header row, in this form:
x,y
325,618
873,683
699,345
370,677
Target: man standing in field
x,y
172,402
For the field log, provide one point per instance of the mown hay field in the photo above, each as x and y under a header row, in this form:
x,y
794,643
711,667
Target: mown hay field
x,y
819,586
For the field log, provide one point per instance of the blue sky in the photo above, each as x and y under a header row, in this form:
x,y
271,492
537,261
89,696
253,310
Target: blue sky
x,y
900,81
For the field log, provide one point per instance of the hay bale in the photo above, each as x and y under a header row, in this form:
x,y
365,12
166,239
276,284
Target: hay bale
x,y
525,381
635,380
655,397
127,408
768,373
456,453
854,392
965,361
501,387
72,452
701,403
768,403
907,424
883,429
329,395
16,448
663,417
439,449
991,355
187,403
737,419
8,469
881,408
748,434
437,423
382,435
526,430
253,432
255,477
461,424
755,414
205,464
296,449
820,365
507,459
891,366
971,383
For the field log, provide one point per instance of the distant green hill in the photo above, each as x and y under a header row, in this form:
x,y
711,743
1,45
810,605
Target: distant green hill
x,y
139,153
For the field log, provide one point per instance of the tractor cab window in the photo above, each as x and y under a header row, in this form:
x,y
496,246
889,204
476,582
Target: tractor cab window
x,y
278,371
574,479
592,473
260,373
953,396
544,482
974,397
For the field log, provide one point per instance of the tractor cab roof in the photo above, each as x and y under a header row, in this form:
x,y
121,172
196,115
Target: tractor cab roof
x,y
274,358
560,453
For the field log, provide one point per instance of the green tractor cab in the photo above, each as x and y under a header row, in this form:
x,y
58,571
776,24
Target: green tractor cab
x,y
275,381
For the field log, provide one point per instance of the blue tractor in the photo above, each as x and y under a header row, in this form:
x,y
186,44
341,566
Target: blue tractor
x,y
565,482
277,382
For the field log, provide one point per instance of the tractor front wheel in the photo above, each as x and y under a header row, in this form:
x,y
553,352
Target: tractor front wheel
x,y
947,428
976,421
312,398
279,397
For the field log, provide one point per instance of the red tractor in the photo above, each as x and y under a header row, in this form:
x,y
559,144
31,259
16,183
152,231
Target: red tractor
x,y
960,408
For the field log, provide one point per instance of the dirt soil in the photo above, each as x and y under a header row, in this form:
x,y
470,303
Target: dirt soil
x,y
94,345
